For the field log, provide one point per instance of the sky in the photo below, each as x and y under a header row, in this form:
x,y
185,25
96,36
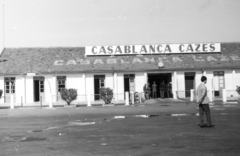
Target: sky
x,y
72,23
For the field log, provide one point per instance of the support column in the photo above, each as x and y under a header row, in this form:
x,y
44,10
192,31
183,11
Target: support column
x,y
191,94
210,95
48,79
84,87
174,85
140,97
203,72
12,101
233,79
115,87
54,89
88,100
50,101
127,99
145,78
224,95
132,97
25,92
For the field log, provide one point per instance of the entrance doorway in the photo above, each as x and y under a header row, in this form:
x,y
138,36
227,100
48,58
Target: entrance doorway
x,y
219,83
160,79
99,82
9,88
129,84
189,82
38,87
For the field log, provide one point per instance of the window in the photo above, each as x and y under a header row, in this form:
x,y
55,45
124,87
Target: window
x,y
219,82
61,80
9,84
41,86
101,83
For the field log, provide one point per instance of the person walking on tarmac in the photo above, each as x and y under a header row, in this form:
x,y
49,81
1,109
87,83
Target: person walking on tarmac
x,y
154,90
203,103
162,89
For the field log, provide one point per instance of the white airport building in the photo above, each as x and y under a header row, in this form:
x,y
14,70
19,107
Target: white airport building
x,y
31,75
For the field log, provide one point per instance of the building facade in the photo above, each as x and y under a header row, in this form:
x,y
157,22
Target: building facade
x,y
38,74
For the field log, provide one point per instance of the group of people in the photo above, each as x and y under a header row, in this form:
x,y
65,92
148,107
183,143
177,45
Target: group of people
x,y
152,92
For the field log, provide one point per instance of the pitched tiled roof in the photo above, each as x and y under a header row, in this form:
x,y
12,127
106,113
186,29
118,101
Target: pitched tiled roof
x,y
72,60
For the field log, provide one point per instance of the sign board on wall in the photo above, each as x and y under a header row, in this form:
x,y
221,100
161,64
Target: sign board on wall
x,y
31,74
153,49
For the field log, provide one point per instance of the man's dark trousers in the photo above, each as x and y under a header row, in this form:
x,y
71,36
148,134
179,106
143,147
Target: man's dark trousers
x,y
204,108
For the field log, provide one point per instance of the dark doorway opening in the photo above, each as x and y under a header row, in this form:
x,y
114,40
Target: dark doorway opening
x,y
38,88
99,82
129,84
126,85
159,78
36,91
189,82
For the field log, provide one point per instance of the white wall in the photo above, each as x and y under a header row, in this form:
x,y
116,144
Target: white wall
x,y
20,90
29,89
120,80
82,88
237,78
181,84
236,82
228,80
54,88
75,81
109,80
90,85
209,75
139,81
198,78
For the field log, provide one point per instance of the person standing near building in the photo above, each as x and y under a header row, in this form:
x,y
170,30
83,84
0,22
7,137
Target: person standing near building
x,y
148,90
162,89
169,89
154,90
203,103
145,91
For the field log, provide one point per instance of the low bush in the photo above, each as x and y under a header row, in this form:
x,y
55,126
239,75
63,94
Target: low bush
x,y
106,94
238,90
69,95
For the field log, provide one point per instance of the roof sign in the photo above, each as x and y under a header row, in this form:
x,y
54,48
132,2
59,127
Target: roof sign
x,y
153,49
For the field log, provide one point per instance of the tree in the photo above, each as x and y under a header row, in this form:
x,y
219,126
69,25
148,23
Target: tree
x,y
106,94
69,95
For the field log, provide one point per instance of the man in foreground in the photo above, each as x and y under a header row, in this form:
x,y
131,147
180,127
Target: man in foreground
x,y
203,102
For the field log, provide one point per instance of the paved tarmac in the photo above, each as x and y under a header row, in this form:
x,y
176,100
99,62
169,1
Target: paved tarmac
x,y
149,129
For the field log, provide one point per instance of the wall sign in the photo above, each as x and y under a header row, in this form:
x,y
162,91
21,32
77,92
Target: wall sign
x,y
134,60
153,49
